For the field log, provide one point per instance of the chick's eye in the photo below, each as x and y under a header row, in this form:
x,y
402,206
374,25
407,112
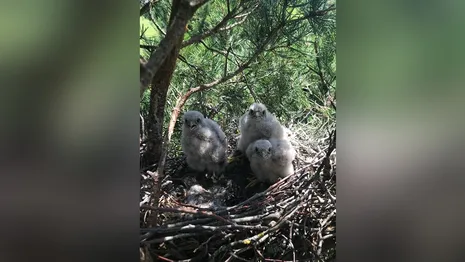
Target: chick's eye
x,y
256,149
185,121
250,111
198,120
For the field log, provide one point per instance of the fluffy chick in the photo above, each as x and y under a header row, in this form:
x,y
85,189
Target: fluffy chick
x,y
204,143
271,159
258,123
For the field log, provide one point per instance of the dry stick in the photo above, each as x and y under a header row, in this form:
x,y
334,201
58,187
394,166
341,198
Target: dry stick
x,y
206,242
169,238
320,244
242,250
175,210
291,231
259,253
180,224
328,236
325,221
304,167
323,224
257,195
259,238
331,147
333,198
241,214
233,254
256,218
164,258
277,260
193,228
188,222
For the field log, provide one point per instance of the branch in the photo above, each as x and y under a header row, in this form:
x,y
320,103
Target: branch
x,y
221,52
180,57
249,88
312,14
332,146
184,60
320,73
233,25
170,238
221,26
219,81
175,31
204,213
159,28
197,38
148,47
225,70
143,29
196,228
142,123
146,7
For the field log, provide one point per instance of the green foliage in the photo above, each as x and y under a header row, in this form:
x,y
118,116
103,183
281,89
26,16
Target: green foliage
x,y
285,76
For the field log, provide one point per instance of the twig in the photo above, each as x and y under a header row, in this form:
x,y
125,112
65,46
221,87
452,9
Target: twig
x,y
169,238
142,127
194,228
164,258
221,26
176,210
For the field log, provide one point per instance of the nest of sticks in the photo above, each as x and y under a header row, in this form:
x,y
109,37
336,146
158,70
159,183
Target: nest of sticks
x,y
291,220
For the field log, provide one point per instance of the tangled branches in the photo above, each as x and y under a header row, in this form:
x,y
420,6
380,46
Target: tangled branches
x,y
294,219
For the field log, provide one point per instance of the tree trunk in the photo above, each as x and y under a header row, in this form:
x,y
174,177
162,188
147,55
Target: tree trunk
x,y
181,12
158,94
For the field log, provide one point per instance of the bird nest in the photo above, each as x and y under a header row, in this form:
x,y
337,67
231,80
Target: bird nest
x,y
293,219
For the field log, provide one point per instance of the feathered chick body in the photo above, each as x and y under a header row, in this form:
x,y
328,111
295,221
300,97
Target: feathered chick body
x,y
203,142
271,159
258,123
